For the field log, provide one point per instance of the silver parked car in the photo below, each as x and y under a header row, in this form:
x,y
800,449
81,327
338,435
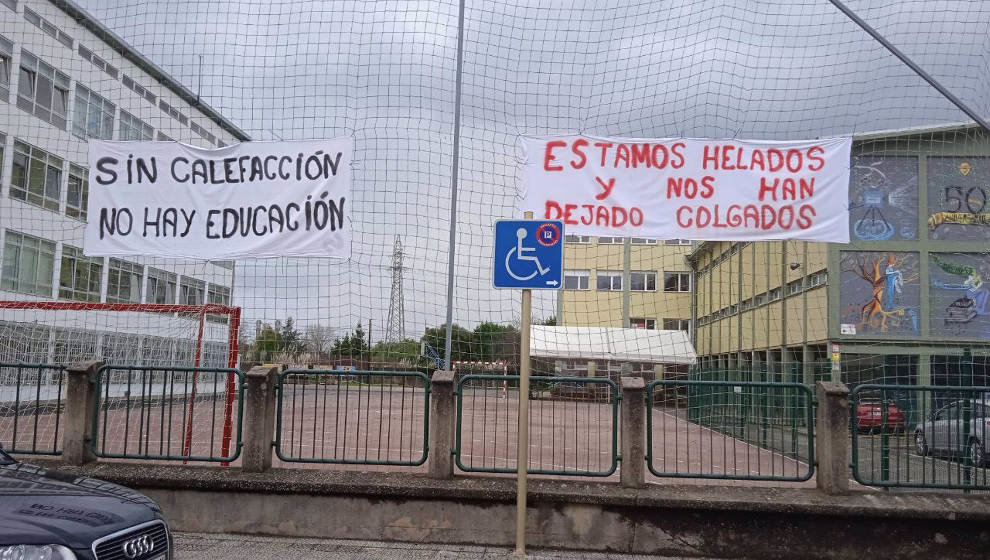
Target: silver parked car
x,y
945,432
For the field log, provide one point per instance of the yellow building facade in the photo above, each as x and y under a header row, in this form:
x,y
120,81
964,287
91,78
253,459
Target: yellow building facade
x,y
612,282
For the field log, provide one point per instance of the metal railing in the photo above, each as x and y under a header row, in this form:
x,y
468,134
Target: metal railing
x,y
730,430
353,417
912,436
573,425
168,413
31,404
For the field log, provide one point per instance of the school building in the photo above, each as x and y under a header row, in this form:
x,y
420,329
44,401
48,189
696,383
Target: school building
x,y
64,79
899,303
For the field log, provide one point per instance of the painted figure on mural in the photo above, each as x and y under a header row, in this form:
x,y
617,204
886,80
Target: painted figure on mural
x,y
974,303
895,282
890,308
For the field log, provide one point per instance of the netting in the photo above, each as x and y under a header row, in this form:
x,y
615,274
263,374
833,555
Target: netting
x,y
902,299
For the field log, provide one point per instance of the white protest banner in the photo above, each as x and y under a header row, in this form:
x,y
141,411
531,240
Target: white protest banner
x,y
255,199
690,188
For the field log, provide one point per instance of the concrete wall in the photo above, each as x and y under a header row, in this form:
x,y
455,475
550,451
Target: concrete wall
x,y
724,522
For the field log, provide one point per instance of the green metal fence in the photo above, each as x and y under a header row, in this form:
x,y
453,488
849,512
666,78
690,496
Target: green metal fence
x,y
353,417
573,425
168,413
740,430
31,404
912,436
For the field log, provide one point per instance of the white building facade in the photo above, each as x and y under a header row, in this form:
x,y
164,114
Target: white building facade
x,y
64,78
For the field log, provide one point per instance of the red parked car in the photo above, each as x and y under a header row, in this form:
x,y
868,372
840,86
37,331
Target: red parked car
x,y
869,416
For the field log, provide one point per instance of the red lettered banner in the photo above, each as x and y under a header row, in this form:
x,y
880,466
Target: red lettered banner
x,y
690,188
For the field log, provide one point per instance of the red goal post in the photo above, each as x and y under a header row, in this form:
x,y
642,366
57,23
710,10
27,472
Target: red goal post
x,y
62,332
51,314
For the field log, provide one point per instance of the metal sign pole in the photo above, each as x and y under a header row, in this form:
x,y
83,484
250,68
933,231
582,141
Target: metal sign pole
x,y
522,451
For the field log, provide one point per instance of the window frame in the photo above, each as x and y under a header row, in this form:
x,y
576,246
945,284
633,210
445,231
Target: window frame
x,y
32,70
645,321
159,277
646,274
80,174
187,285
133,129
119,270
6,64
88,104
579,275
612,276
680,288
43,248
50,174
81,270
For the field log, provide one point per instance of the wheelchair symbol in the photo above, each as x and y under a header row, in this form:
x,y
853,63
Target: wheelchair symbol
x,y
521,254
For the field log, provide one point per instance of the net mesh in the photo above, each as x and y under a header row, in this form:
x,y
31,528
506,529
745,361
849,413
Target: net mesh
x,y
903,298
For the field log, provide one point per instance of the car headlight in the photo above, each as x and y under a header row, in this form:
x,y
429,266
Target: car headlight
x,y
35,552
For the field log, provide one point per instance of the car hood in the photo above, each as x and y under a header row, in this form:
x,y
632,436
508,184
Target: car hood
x,y
40,506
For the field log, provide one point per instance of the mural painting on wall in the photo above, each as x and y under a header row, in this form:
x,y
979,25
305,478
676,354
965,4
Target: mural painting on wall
x,y
959,294
958,188
879,293
883,198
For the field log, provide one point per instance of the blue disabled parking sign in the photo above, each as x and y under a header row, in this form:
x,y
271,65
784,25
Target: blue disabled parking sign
x,y
529,254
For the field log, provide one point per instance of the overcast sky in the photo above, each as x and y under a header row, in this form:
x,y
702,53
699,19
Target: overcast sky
x,y
384,72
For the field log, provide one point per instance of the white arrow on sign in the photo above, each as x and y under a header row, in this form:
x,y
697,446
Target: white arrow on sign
x,y
551,282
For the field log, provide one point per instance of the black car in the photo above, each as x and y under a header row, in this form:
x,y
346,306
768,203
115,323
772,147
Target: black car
x,y
49,515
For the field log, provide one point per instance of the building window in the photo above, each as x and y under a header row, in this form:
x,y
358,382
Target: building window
x,y
77,195
774,294
48,27
676,324
99,62
219,295
161,287
6,64
28,264
173,112
133,128
819,278
124,282
576,279
676,282
80,277
642,241
610,241
139,89
677,242
759,300
203,133
192,291
12,4
42,90
795,287
577,239
642,323
229,265
93,116
36,176
163,138
643,281
3,146
747,304
609,281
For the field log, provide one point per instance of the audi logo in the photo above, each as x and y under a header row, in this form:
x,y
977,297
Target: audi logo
x,y
138,546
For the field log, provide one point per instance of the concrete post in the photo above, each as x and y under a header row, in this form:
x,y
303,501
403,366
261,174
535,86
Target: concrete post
x,y
832,437
80,397
443,415
259,418
633,425
591,369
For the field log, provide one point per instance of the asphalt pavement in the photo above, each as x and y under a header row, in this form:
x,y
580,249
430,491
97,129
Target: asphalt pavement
x,y
197,546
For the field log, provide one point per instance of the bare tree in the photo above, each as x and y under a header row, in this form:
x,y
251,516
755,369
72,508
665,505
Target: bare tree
x,y
317,339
